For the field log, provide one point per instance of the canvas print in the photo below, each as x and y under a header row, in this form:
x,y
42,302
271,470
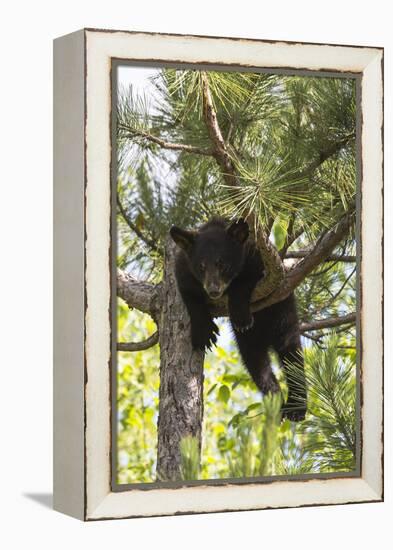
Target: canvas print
x,y
235,295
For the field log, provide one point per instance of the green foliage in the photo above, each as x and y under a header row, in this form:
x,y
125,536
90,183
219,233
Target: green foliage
x,y
137,399
330,427
291,140
190,458
256,442
243,435
280,231
266,187
256,439
269,438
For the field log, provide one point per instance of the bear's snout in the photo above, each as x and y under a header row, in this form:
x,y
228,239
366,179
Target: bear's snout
x,y
214,288
214,294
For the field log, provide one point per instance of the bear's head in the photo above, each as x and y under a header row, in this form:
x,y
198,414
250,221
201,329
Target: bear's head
x,y
215,253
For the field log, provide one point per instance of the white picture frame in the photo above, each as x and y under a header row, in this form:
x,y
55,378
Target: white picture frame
x,y
82,240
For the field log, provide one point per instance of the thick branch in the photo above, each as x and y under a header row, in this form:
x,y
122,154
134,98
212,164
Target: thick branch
x,y
324,247
331,322
138,294
331,258
220,150
139,346
274,267
294,276
271,259
129,132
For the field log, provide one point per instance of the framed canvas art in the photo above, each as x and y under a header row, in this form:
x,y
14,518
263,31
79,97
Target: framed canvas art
x,y
218,274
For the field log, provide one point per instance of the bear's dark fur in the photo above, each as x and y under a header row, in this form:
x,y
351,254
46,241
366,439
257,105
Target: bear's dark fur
x,y
219,259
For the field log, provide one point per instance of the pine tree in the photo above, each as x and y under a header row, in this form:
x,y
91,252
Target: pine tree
x,y
277,150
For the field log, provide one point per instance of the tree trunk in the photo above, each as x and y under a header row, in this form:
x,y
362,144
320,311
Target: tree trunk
x,y
181,376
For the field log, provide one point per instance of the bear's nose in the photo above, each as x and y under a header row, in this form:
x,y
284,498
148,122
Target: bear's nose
x,y
214,294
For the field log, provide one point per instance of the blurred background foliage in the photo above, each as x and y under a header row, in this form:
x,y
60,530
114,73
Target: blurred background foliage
x,y
292,141
242,434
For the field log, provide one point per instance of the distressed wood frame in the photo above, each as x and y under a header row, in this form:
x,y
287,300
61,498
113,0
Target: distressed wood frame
x,y
82,250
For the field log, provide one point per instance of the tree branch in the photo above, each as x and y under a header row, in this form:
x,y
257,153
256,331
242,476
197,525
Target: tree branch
x,y
138,294
131,133
324,155
319,339
331,258
330,322
139,346
149,242
271,259
324,247
327,153
274,267
334,297
291,237
220,150
294,276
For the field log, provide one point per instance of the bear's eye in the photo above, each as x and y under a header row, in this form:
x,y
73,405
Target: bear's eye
x,y
221,264
202,266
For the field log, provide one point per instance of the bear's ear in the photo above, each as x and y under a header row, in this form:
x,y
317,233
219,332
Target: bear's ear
x,y
239,230
184,239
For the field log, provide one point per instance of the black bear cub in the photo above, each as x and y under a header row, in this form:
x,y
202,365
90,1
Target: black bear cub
x,y
219,258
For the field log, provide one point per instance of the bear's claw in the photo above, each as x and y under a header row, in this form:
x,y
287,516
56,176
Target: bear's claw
x,y
244,327
207,338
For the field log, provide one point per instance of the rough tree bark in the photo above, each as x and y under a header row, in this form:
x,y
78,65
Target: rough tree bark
x,y
181,376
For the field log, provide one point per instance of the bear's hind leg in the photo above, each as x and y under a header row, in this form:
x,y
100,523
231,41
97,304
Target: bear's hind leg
x,y
268,380
262,374
257,362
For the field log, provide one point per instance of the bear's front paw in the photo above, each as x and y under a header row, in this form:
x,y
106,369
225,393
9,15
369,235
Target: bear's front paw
x,y
204,337
242,324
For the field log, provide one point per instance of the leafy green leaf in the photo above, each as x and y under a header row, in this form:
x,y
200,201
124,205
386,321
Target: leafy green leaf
x,y
224,394
280,229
